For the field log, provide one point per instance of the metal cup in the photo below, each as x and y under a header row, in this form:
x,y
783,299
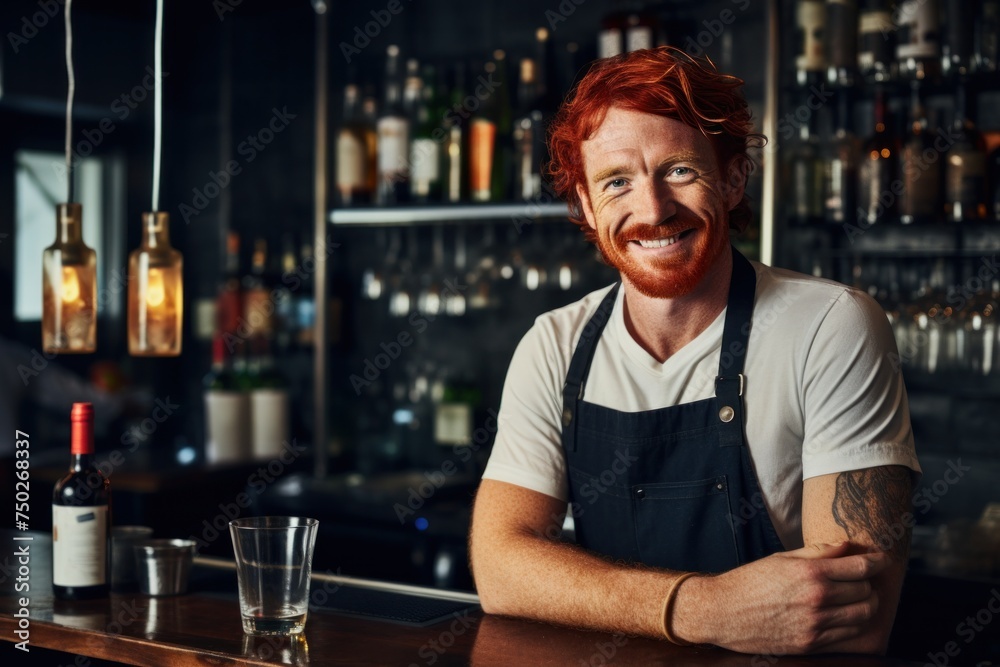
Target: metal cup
x,y
122,559
164,566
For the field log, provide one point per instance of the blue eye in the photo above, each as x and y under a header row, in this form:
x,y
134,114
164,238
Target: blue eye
x,y
617,183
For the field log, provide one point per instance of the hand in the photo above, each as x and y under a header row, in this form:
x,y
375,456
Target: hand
x,y
788,603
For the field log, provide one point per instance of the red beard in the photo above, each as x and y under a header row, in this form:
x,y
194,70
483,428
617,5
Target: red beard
x,y
666,278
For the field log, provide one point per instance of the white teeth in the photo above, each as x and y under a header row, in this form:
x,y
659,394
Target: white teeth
x,y
659,243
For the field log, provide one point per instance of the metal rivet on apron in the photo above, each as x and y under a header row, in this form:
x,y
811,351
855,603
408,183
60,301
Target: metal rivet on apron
x,y
720,486
726,413
640,494
567,417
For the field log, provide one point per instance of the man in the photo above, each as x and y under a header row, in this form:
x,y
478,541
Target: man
x,y
734,440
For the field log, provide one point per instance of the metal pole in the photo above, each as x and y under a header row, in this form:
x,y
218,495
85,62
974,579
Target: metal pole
x,y
321,251
768,208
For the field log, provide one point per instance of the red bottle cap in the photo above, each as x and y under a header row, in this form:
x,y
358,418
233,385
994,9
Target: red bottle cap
x,y
81,418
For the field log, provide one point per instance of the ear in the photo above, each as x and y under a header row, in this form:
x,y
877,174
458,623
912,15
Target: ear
x,y
735,181
585,208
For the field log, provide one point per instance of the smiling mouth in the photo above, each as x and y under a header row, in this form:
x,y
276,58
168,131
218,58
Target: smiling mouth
x,y
662,242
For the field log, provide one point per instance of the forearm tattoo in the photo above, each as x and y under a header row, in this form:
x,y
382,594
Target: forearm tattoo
x,y
872,507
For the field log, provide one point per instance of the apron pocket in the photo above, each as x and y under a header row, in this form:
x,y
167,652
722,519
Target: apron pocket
x,y
685,525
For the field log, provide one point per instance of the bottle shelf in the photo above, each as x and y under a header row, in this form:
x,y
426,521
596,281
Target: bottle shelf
x,y
519,213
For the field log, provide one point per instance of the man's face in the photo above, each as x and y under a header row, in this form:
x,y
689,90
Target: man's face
x,y
657,201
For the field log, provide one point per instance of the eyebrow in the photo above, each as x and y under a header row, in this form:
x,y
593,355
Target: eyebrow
x,y
619,170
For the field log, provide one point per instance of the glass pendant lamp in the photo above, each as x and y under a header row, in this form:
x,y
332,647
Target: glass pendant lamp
x,y
69,267
156,283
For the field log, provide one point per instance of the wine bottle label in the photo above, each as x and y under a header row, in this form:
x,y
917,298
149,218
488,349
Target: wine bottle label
x,y
425,164
269,411
918,30
393,139
638,37
79,545
453,424
809,17
350,162
227,417
482,137
609,43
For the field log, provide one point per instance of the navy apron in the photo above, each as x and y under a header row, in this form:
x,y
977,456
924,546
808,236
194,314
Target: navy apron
x,y
666,487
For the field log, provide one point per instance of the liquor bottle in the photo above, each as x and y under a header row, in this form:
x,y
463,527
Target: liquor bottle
x,y
956,46
455,154
69,287
81,518
804,176
258,312
876,41
456,399
284,299
503,150
994,180
986,50
393,130
269,424
841,167
529,136
305,305
920,200
227,406
879,167
810,56
229,304
482,145
425,150
640,27
611,37
918,46
356,149
965,165
841,41
155,291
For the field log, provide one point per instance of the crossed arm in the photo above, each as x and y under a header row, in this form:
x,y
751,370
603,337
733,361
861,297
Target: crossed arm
x,y
838,593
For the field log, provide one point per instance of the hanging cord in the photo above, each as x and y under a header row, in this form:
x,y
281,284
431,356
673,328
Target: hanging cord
x,y
158,103
71,89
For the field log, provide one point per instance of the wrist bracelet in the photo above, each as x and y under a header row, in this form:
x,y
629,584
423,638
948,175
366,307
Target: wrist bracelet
x,y
668,608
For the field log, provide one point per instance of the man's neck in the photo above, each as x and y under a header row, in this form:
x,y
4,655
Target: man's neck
x,y
664,326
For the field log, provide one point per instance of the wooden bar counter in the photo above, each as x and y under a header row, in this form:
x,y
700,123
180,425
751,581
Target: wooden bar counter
x,y
202,627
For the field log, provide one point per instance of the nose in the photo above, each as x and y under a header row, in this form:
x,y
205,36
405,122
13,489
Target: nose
x,y
654,203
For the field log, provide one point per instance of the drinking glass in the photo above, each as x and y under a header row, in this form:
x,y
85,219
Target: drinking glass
x,y
273,567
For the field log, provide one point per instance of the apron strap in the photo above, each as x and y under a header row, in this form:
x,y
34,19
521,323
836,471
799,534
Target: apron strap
x,y
579,366
729,384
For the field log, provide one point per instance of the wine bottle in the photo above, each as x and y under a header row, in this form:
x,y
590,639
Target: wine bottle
x,y
876,41
611,37
268,403
986,49
920,200
956,47
425,150
229,304
841,167
640,28
965,165
841,41
81,518
503,150
529,136
258,311
305,304
227,407
918,45
393,130
455,152
879,167
804,176
356,145
810,58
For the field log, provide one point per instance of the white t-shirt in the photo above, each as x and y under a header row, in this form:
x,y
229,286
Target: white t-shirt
x,y
823,395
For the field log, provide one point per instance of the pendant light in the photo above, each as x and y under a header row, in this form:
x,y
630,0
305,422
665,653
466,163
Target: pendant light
x,y
156,284
69,267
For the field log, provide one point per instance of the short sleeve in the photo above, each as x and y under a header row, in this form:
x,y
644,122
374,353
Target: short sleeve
x,y
854,400
528,448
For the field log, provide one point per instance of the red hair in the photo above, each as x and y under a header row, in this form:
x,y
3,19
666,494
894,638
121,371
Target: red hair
x,y
666,82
